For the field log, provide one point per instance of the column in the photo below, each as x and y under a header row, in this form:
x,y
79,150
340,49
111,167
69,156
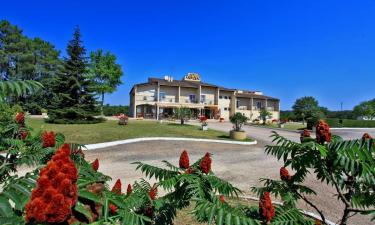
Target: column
x,y
178,94
135,103
158,93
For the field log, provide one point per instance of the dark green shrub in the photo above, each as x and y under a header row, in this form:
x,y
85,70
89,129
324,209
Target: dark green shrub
x,y
238,120
349,123
113,110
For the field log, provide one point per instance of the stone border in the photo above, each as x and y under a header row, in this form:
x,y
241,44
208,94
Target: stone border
x,y
134,140
306,213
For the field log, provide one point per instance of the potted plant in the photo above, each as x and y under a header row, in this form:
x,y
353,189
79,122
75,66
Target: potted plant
x,y
123,119
238,120
203,121
221,119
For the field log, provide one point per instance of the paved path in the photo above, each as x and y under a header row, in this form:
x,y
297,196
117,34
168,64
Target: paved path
x,y
240,165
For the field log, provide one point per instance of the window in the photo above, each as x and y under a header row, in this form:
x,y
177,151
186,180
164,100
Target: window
x,y
238,104
221,97
192,98
229,97
225,109
229,109
225,97
259,105
203,98
161,96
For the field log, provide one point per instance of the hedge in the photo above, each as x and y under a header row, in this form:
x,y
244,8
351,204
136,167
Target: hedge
x,y
113,110
349,123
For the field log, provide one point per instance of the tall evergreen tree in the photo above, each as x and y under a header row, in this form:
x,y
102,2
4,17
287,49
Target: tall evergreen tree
x,y
74,100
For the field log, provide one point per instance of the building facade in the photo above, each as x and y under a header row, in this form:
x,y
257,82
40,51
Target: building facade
x,y
158,98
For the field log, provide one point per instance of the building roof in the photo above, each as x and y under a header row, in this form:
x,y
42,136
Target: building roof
x,y
196,84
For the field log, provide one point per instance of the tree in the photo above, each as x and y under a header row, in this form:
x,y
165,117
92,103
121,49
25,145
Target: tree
x,y
264,115
365,109
183,113
306,107
104,73
238,120
22,58
73,100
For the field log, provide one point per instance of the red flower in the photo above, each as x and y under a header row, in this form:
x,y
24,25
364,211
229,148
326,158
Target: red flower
x,y
23,134
95,164
305,133
322,132
56,191
284,174
318,222
117,187
129,190
48,139
366,136
205,164
203,119
222,199
184,160
149,212
189,171
266,208
113,208
20,118
153,192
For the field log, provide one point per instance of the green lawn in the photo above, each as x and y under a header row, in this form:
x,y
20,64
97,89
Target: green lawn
x,y
287,126
110,131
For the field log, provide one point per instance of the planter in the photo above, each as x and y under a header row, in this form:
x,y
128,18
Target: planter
x,y
204,127
238,135
281,125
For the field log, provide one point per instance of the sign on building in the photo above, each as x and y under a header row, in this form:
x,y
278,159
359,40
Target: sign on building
x,y
192,77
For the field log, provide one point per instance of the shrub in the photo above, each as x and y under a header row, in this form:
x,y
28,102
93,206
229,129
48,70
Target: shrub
x,y
238,120
349,123
114,110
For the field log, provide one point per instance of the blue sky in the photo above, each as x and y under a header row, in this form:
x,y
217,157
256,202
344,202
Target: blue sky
x,y
287,49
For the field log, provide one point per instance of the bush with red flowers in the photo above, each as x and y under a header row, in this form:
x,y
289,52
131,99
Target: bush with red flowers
x,y
129,190
56,192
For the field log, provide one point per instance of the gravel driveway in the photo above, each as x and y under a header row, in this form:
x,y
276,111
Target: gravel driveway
x,y
241,165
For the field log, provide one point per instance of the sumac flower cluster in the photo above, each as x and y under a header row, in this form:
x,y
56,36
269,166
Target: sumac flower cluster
x,y
205,164
322,132
48,139
95,165
184,160
56,191
284,174
266,209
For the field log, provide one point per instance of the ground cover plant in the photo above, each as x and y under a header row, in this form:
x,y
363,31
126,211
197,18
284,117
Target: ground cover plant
x,y
64,188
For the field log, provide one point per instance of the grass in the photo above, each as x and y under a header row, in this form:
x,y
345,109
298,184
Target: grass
x,y
287,126
111,131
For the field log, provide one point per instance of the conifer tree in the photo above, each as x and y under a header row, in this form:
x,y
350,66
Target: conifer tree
x,y
74,100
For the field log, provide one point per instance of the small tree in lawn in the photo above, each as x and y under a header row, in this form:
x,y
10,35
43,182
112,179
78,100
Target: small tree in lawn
x,y
238,120
264,115
104,73
182,114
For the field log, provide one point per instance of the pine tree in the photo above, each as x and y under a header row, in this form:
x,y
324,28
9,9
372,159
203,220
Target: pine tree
x,y
74,100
